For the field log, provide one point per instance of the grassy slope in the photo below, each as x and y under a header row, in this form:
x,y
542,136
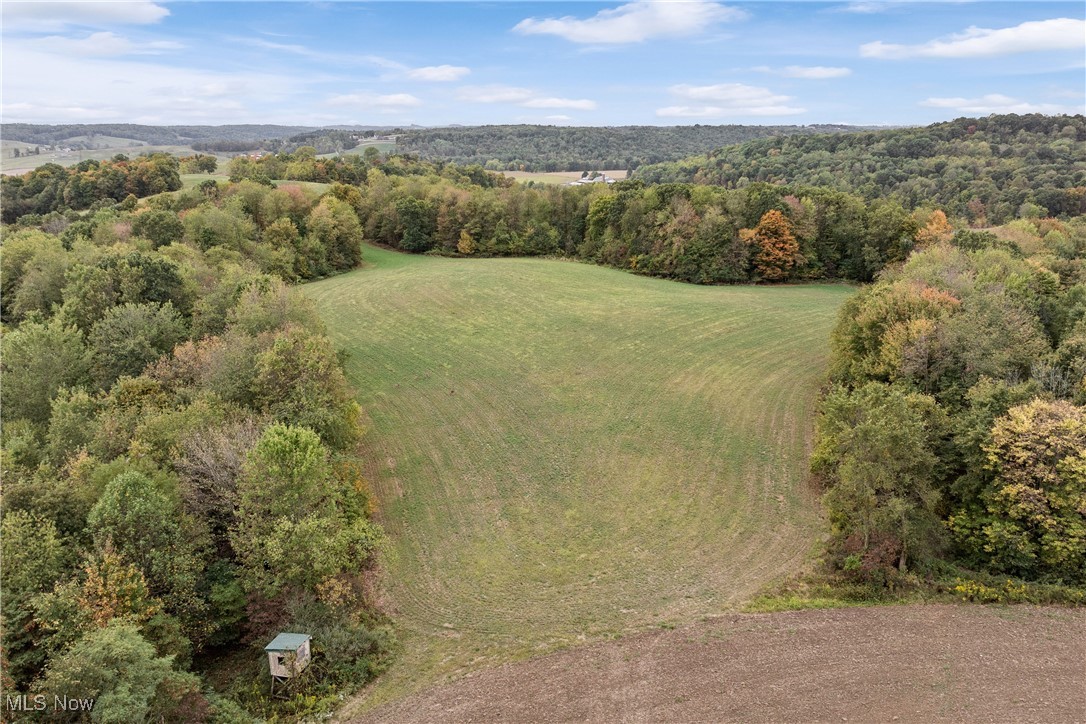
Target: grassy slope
x,y
565,452
16,166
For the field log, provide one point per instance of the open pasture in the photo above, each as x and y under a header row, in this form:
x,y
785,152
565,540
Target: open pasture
x,y
15,166
564,452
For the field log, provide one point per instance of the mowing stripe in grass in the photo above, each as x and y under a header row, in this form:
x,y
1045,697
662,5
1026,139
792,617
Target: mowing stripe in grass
x,y
563,451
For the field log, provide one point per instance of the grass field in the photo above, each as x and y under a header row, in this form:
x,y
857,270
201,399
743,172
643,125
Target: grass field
x,y
564,452
21,165
192,180
384,147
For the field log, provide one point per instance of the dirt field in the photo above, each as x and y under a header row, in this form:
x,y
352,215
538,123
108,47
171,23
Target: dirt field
x,y
907,663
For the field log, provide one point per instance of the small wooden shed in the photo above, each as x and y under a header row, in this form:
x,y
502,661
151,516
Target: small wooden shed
x,y
288,654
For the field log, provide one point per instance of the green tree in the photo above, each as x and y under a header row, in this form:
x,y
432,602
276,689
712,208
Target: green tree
x,y
38,361
42,285
877,449
299,381
34,560
334,225
130,337
297,524
161,227
208,226
30,253
144,525
119,669
415,226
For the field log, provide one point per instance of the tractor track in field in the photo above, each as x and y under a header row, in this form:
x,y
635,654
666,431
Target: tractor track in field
x,y
882,664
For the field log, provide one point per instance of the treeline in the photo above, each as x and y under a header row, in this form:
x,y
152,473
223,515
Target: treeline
x,y
956,426
53,187
701,234
986,170
303,165
323,141
562,148
181,479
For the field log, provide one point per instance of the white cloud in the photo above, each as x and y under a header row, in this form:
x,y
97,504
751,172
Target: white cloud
x,y
1038,35
635,22
806,72
337,59
866,7
559,118
524,97
869,7
393,101
429,73
728,99
55,88
995,103
57,15
106,44
438,73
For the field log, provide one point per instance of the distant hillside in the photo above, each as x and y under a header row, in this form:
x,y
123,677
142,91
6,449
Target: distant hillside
x,y
561,148
984,169
153,135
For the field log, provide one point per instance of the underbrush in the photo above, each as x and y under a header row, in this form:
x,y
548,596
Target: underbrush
x,y
349,648
941,582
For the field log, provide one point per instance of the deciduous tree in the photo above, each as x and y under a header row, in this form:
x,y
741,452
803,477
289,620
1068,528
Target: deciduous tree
x,y
776,246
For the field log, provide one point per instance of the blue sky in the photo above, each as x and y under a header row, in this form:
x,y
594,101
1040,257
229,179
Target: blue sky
x,y
583,63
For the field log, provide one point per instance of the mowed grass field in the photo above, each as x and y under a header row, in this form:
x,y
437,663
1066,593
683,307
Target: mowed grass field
x,y
564,452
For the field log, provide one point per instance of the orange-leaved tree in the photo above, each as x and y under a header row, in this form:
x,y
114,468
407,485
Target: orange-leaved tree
x,y
937,229
776,244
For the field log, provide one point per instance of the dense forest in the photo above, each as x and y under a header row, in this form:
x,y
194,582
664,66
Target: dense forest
x,y
569,148
180,448
956,426
180,463
52,187
324,140
980,169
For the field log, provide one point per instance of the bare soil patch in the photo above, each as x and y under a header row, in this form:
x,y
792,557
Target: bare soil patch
x,y
896,663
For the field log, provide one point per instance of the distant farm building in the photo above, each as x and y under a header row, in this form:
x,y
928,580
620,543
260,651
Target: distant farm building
x,y
588,181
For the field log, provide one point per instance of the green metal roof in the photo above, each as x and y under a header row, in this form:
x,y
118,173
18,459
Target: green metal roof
x,y
287,642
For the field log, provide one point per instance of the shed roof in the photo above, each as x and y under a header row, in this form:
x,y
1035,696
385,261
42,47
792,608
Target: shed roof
x,y
287,642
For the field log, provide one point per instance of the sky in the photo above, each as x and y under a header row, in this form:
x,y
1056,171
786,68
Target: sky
x,y
561,63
